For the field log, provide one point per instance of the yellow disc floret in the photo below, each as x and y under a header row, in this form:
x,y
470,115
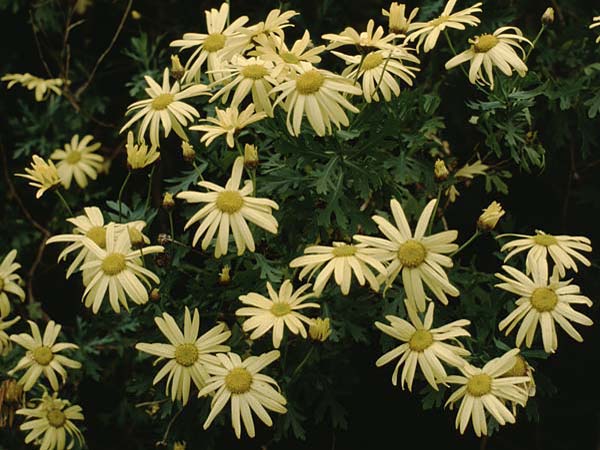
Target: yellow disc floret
x,y
113,264
73,157
214,42
420,340
280,309
186,354
98,235
43,355
254,71
479,385
344,250
371,61
56,418
309,82
238,381
229,201
162,101
544,299
484,43
412,254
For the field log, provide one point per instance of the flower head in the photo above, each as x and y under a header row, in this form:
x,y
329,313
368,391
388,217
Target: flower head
x,y
40,85
272,27
43,355
319,329
138,155
42,175
491,215
185,353
9,282
241,383
228,208
277,312
367,41
78,160
398,22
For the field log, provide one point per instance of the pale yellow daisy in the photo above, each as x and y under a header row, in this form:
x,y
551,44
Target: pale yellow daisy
x,y
420,258
271,27
50,423
545,302
9,282
241,384
138,155
40,85
117,269
563,250
228,122
341,260
43,356
43,175
490,216
595,23
489,50
429,32
228,208
164,107
378,71
278,312
216,47
424,346
316,93
484,390
365,41
5,344
248,76
398,23
186,353
78,160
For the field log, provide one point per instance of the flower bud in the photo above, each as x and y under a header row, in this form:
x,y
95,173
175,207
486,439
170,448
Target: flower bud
x,y
135,15
548,17
188,152
440,170
155,295
319,329
398,22
168,202
11,399
177,70
224,275
490,216
179,446
250,156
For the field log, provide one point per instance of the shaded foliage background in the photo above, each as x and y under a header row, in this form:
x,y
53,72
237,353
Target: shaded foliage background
x,y
355,404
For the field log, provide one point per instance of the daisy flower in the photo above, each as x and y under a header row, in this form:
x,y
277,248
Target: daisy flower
x,y
286,59
428,32
542,301
216,47
378,71
165,106
116,268
78,161
43,175
185,353
249,75
277,312
43,356
5,345
484,390
521,369
563,250
316,93
228,122
241,383
51,422
229,208
271,27
9,282
424,346
489,50
138,155
595,23
490,216
365,42
420,258
398,22
341,260
40,85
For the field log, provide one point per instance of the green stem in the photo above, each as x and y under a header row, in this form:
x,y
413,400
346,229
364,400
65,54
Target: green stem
x,y
198,170
466,244
171,224
251,173
297,369
454,52
534,42
437,203
148,194
64,202
121,194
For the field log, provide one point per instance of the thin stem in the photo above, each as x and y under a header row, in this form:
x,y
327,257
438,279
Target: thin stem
x,y
454,52
121,194
466,244
437,202
534,42
198,170
297,369
148,194
64,202
171,224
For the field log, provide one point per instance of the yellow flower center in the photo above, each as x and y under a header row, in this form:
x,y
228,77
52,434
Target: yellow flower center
x,y
162,101
371,61
519,369
344,250
309,82
420,340
113,264
544,299
56,418
479,385
544,239
238,381
186,354
43,355
214,42
73,157
412,253
437,22
230,201
484,43
254,71
98,235
289,57
280,309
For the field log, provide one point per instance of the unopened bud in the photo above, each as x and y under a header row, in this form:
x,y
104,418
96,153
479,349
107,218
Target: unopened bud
x,y
490,216
440,170
155,295
168,202
224,275
179,446
135,15
250,156
548,16
135,237
187,151
319,329
177,70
